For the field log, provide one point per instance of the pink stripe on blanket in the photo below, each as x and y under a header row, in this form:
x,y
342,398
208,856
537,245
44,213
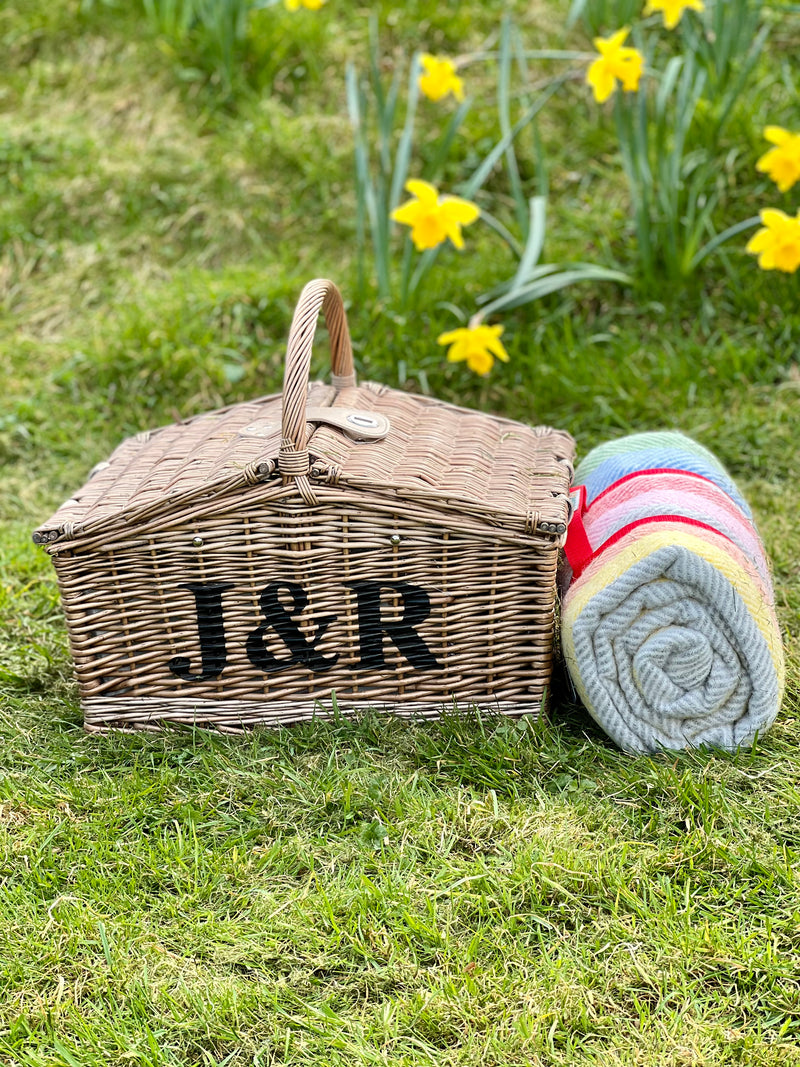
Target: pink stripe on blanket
x,y
672,494
650,472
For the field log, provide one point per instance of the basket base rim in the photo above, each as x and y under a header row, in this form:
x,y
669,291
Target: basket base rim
x,y
102,714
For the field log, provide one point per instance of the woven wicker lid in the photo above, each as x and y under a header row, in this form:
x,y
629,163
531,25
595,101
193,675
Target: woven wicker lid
x,y
450,458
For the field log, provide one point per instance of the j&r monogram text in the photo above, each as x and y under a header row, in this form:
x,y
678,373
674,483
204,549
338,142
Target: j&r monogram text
x,y
303,650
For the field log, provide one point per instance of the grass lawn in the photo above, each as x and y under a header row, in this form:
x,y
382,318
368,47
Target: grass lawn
x,y
371,892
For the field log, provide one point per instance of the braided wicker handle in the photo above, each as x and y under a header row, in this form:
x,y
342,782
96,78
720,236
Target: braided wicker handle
x,y
319,295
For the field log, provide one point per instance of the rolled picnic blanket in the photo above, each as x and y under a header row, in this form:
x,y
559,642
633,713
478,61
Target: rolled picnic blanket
x,y
668,622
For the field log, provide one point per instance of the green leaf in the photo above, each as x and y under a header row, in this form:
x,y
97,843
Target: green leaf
x,y
504,114
721,238
502,231
554,283
485,168
448,137
405,146
506,287
535,243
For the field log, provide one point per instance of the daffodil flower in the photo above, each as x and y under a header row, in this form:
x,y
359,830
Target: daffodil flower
x,y
615,64
781,163
440,78
478,345
672,10
295,5
777,245
434,218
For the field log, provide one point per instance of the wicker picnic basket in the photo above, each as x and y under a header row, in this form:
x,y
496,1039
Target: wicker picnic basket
x,y
339,545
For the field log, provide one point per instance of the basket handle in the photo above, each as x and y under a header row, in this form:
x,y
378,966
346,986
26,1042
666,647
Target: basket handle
x,y
318,295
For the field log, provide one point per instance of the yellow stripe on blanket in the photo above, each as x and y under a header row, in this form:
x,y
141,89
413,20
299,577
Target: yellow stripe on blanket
x,y
718,551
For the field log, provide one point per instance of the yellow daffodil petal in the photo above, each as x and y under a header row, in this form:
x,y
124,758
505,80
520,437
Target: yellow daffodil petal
x,y
672,10
462,212
776,134
454,214
601,80
610,45
495,345
761,245
759,241
773,217
407,213
426,193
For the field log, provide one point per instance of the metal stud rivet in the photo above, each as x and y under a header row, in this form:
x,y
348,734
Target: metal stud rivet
x,y
395,539
197,542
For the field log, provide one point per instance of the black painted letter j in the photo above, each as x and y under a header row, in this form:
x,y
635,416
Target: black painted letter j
x,y
211,630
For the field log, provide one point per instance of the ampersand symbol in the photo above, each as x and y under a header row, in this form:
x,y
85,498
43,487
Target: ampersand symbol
x,y
279,618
